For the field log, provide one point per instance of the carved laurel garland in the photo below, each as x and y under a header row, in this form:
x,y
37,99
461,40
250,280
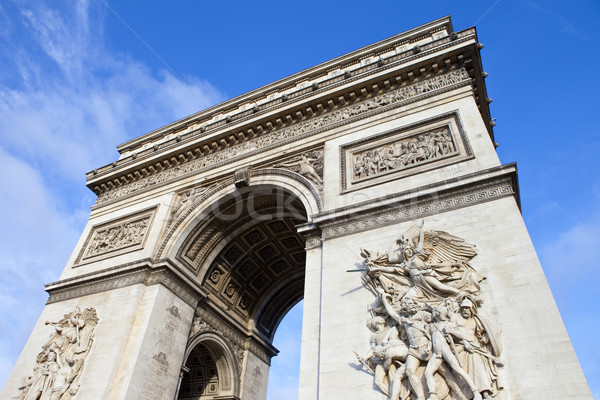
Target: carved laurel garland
x,y
327,120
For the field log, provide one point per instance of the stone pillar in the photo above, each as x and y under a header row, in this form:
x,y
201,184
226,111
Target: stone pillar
x,y
311,320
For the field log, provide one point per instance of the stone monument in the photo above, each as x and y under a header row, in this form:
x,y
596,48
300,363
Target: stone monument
x,y
368,186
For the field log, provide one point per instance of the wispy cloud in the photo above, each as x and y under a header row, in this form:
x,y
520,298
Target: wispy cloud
x,y
65,102
566,27
572,266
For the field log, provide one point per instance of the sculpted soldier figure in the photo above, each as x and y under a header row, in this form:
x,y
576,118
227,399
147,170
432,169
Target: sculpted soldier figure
x,y
479,351
386,348
443,332
423,283
415,322
56,373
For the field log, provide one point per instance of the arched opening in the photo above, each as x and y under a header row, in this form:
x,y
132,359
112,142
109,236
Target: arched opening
x,y
209,370
285,368
247,253
249,256
200,378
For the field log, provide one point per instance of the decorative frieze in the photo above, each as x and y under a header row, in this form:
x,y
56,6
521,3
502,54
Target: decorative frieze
x,y
416,148
412,208
116,237
324,120
146,275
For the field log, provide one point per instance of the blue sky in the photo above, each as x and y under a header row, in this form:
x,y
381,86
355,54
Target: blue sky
x,y
78,78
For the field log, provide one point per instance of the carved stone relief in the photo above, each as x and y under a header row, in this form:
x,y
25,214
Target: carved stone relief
x,y
183,201
205,322
155,386
309,165
276,137
59,365
435,144
428,336
120,236
412,149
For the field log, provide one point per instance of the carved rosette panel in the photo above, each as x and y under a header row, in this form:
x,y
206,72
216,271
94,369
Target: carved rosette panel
x,y
60,363
417,148
428,337
116,237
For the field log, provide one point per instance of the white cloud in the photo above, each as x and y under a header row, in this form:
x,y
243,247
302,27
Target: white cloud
x,y
37,240
65,102
572,266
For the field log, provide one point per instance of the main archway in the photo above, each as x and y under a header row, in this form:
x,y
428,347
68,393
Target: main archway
x,y
245,250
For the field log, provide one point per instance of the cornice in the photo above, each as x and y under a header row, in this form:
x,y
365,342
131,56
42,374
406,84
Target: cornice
x,y
141,272
381,98
320,72
464,191
206,138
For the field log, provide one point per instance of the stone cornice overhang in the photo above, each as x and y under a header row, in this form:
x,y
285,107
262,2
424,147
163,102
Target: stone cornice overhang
x,y
145,271
449,195
389,70
149,272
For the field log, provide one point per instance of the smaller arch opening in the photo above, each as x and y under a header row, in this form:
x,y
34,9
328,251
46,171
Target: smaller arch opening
x,y
201,376
206,373
284,374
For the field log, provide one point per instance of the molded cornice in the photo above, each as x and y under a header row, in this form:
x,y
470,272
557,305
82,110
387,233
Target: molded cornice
x,y
387,65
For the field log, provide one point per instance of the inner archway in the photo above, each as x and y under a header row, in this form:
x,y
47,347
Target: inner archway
x,y
284,373
251,260
201,377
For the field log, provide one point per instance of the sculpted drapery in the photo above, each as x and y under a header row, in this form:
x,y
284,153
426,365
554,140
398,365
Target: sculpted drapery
x,y
429,341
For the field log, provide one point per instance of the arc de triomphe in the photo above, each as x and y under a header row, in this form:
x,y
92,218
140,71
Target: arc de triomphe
x,y
368,186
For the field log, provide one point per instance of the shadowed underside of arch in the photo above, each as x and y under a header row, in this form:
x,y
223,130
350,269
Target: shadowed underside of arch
x,y
249,257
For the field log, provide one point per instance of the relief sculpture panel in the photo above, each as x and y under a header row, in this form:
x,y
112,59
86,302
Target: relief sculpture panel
x,y
428,337
60,363
413,149
432,145
113,238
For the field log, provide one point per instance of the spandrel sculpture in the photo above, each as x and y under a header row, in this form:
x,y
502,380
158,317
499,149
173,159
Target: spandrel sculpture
x,y
59,364
428,340
309,165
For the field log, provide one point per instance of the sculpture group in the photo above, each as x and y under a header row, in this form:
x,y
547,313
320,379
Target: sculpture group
x,y
428,337
403,154
59,364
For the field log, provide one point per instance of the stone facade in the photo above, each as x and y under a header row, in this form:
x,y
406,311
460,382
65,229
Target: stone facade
x,y
368,186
